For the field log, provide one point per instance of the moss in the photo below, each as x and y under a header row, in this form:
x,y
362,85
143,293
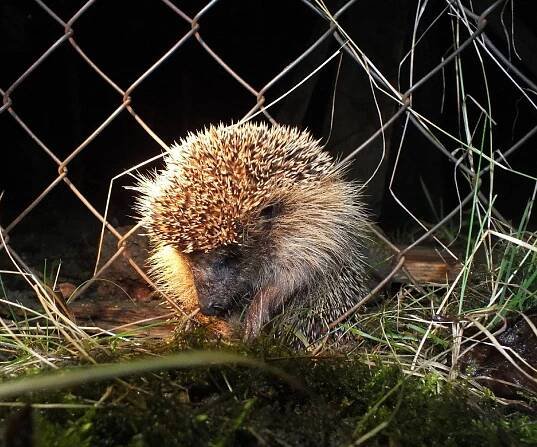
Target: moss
x,y
70,431
221,406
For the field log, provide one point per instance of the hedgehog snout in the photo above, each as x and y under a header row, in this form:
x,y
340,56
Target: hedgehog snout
x,y
212,307
219,280
213,288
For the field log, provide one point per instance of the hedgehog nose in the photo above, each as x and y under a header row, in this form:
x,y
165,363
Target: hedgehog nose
x,y
212,309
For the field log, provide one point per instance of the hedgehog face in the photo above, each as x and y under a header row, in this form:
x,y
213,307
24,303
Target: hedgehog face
x,y
226,277
220,279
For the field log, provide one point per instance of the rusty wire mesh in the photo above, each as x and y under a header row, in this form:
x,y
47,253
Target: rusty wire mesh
x,y
474,36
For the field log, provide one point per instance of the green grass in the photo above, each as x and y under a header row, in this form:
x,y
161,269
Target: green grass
x,y
346,399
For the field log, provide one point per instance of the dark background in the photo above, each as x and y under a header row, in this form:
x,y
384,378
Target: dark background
x,y
63,101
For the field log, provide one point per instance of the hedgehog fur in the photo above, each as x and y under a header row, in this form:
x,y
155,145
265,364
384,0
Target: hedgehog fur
x,y
256,220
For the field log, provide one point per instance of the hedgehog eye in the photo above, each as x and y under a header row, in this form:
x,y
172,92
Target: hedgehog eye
x,y
270,211
226,260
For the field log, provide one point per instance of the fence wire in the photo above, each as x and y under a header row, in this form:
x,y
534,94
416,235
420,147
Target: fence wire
x,y
474,24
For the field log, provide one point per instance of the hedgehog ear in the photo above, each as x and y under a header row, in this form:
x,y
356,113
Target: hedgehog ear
x,y
271,211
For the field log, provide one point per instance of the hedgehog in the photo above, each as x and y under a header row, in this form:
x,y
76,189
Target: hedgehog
x,y
265,225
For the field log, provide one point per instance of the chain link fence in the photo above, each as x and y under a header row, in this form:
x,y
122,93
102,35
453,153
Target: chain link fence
x,y
470,37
